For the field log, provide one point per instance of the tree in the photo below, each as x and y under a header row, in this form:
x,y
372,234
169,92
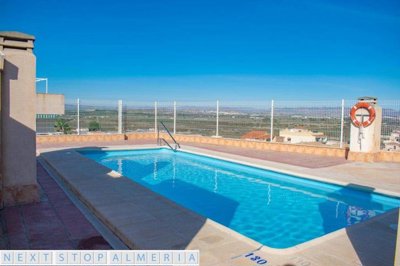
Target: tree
x,y
94,126
61,125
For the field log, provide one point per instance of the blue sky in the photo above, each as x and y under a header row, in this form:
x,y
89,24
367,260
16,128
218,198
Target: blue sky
x,y
204,50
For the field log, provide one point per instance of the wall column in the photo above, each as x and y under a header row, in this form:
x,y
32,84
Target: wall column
x,y
18,119
368,138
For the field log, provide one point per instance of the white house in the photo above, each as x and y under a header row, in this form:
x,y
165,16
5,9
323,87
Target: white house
x,y
299,135
393,144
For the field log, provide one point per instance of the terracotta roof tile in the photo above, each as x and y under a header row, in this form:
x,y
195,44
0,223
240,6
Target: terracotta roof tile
x,y
256,134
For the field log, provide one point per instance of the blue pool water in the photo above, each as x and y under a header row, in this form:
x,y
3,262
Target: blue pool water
x,y
275,209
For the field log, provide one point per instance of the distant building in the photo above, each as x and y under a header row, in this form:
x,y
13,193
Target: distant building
x,y
393,144
300,135
257,135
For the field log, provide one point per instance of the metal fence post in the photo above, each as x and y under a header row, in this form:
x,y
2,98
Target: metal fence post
x,y
342,125
217,126
272,121
174,117
78,129
155,118
119,116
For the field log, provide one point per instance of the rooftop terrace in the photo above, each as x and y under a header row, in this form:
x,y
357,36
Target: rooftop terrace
x,y
219,247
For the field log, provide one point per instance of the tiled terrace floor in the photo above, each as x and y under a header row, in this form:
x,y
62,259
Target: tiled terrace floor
x,y
41,146
374,175
297,159
371,176
147,226
53,223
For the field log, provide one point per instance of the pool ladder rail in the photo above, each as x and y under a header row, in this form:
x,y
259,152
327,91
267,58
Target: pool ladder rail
x,y
160,140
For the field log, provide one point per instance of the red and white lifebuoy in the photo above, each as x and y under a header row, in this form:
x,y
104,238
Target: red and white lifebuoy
x,y
369,108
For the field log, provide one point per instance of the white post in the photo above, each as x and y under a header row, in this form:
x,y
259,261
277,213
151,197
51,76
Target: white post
x,y
174,117
272,121
342,125
47,86
119,116
217,126
44,79
155,118
78,129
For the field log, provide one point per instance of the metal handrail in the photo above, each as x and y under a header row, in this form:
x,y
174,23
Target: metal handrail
x,y
166,142
169,133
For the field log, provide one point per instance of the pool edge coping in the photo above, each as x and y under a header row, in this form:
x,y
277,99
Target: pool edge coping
x,y
252,244
241,237
330,181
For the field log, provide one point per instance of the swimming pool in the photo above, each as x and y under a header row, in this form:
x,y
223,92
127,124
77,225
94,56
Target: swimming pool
x,y
275,209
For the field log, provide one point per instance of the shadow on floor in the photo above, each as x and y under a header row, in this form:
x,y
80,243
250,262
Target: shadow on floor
x,y
371,233
375,243
147,220
52,223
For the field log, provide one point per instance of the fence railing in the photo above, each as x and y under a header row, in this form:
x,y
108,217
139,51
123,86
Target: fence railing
x,y
301,122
